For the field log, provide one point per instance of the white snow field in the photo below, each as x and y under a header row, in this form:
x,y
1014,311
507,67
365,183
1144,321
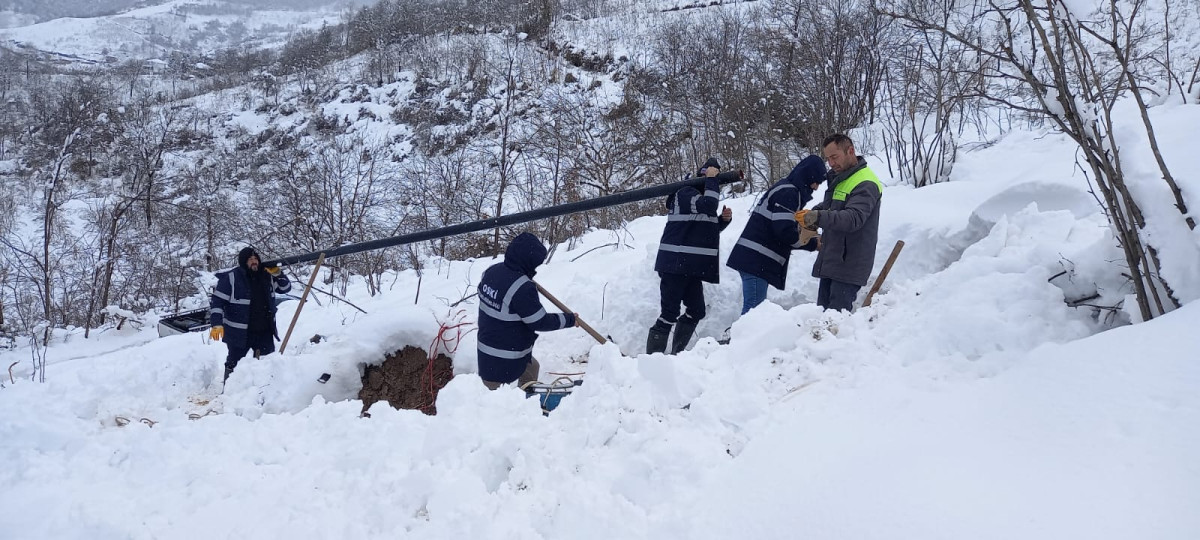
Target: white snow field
x,y
144,32
969,401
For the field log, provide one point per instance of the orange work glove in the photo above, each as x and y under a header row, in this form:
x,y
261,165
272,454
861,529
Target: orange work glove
x,y
216,333
807,218
273,270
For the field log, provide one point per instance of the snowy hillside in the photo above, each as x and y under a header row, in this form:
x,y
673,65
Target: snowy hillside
x,y
187,26
969,401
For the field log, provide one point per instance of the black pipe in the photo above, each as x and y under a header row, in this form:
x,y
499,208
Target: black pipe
x,y
511,219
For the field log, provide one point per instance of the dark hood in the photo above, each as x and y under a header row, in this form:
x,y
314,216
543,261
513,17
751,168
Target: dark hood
x,y
245,254
711,162
525,253
810,170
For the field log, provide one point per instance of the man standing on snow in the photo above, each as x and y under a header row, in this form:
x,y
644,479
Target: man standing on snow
x,y
510,315
687,256
761,254
244,302
849,223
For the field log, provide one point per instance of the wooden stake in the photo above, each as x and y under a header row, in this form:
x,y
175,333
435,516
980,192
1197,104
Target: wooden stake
x,y
883,274
587,327
303,299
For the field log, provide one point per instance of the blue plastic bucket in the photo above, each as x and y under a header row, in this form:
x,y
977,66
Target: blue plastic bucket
x,y
551,394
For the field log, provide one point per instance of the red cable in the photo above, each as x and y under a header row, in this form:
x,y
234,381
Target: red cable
x,y
454,321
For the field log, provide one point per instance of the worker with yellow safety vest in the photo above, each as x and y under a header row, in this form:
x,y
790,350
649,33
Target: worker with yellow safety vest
x,y
849,222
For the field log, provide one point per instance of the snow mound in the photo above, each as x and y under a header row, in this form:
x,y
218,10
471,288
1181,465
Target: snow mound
x,y
1046,196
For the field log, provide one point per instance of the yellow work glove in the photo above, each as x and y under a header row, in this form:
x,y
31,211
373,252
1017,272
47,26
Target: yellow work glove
x,y
273,270
216,333
807,218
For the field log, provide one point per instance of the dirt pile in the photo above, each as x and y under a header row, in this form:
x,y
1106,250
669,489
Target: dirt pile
x,y
406,380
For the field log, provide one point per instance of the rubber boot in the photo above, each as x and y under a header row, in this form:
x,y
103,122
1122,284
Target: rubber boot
x,y
228,372
683,334
656,341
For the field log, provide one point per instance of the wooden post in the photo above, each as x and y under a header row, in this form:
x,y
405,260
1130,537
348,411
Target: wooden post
x,y
303,299
588,328
883,274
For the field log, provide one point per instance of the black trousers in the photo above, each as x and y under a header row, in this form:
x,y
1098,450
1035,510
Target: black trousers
x,y
261,344
675,289
833,294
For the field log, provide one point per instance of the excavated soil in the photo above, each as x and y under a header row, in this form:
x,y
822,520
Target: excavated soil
x,y
404,380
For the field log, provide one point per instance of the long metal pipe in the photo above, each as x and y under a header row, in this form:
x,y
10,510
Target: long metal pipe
x,y
503,221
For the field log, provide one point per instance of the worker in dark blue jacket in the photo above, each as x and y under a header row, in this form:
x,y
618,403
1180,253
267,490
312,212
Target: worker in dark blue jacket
x,y
687,256
242,308
761,254
510,315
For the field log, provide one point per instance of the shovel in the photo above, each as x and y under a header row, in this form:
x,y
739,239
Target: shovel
x,y
884,273
587,327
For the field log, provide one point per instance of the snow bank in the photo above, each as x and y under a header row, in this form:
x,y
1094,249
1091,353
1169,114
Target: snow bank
x,y
1081,440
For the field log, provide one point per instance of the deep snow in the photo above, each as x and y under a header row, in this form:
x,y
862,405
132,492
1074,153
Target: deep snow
x,y
968,401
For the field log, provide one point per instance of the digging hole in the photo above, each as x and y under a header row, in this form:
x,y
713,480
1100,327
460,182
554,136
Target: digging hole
x,y
403,380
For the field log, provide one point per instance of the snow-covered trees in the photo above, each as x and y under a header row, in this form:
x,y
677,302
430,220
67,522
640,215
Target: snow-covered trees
x,y
1072,63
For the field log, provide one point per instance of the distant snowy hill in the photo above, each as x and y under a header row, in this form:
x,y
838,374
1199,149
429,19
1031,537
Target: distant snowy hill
x,y
157,30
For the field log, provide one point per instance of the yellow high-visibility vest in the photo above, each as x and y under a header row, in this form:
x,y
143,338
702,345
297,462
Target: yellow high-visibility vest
x,y
844,187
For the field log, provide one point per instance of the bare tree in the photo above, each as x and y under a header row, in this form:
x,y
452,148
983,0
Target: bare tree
x,y
829,58
146,132
504,152
550,156
448,189
36,267
1073,68
929,93
329,194
10,98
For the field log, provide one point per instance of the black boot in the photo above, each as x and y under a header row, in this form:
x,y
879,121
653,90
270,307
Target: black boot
x,y
656,341
228,372
683,334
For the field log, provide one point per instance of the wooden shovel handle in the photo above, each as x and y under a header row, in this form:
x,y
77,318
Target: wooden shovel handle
x,y
587,327
303,298
884,273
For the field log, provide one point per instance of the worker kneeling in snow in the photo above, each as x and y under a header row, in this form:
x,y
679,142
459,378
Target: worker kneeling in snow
x,y
510,315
